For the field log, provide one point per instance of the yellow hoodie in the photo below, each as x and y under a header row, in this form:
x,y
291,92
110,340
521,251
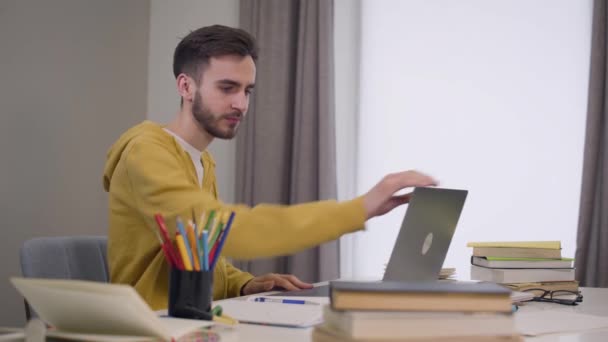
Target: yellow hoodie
x,y
148,172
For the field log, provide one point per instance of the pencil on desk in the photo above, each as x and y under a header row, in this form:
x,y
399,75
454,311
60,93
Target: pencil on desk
x,y
224,319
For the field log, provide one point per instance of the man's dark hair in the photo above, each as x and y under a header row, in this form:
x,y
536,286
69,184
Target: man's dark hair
x,y
192,54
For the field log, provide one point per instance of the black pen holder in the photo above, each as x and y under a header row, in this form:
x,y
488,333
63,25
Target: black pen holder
x,y
190,294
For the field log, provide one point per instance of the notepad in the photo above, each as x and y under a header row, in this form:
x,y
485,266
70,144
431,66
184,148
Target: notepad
x,y
85,307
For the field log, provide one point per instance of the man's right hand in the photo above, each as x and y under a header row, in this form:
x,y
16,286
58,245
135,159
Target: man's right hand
x,y
381,198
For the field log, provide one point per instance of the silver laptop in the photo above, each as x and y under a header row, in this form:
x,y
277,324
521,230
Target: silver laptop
x,y
423,241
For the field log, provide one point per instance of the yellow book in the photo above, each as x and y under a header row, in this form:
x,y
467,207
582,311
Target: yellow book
x,y
545,285
518,244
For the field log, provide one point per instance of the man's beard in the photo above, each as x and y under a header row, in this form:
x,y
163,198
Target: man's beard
x,y
210,122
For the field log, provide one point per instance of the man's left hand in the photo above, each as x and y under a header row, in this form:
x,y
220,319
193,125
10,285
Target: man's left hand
x,y
271,280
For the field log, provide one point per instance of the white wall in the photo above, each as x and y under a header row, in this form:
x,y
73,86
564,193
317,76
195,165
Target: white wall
x,y
488,96
73,78
169,22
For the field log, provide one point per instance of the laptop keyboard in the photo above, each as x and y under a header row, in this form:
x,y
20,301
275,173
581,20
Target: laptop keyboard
x,y
319,291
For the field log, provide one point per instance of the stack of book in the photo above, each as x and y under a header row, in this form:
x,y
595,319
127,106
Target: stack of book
x,y
425,311
523,265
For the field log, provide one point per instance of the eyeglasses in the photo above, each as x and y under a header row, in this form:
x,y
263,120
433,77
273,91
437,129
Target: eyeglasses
x,y
573,297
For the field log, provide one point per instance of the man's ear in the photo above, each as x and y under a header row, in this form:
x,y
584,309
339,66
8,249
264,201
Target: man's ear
x,y
186,87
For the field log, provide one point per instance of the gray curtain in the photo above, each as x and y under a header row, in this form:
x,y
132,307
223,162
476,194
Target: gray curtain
x,y
592,240
286,149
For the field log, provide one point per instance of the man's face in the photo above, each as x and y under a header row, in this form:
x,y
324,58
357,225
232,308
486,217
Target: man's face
x,y
222,99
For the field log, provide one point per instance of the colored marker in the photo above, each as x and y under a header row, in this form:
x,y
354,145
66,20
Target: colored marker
x,y
205,251
210,220
183,250
184,234
193,242
219,228
200,227
167,245
222,239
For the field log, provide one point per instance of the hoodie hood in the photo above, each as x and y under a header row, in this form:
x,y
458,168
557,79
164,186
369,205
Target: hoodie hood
x,y
115,153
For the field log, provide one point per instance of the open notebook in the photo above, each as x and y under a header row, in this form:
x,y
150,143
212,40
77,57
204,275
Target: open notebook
x,y
87,310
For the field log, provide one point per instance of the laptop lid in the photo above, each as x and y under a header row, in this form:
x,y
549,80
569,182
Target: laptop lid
x,y
426,232
423,241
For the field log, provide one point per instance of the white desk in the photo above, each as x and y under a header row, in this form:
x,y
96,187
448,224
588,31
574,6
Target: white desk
x,y
595,302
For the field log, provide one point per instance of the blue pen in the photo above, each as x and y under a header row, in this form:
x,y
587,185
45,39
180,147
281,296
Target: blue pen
x,y
283,301
182,231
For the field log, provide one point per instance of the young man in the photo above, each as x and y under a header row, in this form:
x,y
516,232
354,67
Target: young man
x,y
166,169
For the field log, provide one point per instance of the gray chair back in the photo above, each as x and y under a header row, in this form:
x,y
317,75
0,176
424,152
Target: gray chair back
x,y
65,257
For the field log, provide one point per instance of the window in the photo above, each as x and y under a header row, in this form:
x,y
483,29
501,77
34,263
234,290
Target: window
x,y
485,96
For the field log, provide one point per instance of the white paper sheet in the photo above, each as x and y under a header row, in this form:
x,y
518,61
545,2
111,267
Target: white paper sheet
x,y
277,314
536,323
